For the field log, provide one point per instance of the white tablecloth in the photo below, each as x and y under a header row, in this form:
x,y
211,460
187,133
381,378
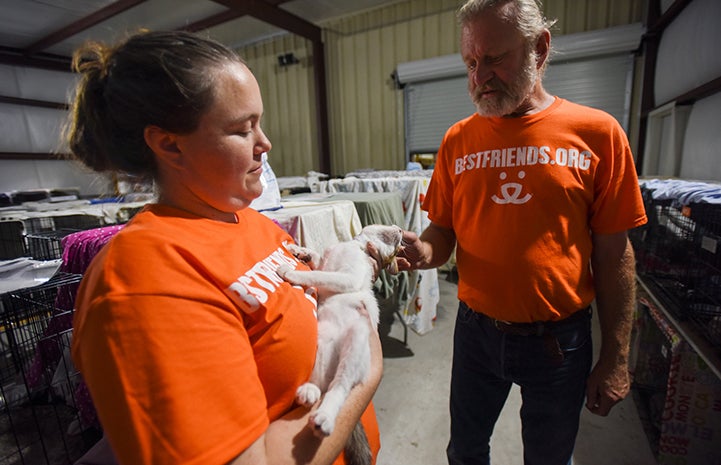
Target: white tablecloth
x,y
412,190
421,309
318,225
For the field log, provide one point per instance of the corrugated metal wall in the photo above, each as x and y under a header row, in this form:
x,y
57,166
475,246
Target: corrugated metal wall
x,y
362,51
288,101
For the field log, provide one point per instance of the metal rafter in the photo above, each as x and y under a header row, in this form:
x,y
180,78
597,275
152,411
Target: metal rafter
x,y
269,12
82,24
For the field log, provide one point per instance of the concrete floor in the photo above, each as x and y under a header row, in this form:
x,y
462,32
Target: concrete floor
x,y
412,405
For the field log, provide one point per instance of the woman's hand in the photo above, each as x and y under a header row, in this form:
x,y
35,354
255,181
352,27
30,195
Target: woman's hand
x,y
375,260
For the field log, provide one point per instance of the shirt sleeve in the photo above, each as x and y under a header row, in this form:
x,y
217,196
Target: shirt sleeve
x,y
618,204
173,380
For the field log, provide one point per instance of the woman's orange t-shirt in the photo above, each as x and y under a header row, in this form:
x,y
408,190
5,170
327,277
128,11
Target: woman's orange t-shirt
x,y
189,341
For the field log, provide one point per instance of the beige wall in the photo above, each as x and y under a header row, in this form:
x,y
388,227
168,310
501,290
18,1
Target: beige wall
x,y
289,103
365,109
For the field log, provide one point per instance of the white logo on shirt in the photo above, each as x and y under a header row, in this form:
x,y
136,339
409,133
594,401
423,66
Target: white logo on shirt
x,y
257,284
511,191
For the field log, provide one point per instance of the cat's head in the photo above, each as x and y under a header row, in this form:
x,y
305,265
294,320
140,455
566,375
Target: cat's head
x,y
387,241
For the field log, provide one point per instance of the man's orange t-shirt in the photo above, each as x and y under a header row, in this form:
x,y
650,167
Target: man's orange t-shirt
x,y
189,341
524,196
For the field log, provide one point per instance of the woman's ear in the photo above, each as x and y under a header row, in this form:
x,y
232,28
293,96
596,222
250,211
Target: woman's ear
x,y
164,144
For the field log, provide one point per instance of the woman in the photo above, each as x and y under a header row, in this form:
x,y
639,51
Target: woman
x,y
190,344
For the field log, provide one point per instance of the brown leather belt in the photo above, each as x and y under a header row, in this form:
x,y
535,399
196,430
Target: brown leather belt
x,y
538,328
541,329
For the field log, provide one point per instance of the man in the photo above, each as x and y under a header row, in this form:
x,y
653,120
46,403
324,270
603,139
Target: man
x,y
536,195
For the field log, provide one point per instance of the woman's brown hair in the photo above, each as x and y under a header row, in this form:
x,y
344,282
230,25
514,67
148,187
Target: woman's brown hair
x,y
151,78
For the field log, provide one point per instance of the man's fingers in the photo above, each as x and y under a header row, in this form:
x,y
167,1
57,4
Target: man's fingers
x,y
403,264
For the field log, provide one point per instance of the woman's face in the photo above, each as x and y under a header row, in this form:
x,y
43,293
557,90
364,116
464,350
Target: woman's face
x,y
219,165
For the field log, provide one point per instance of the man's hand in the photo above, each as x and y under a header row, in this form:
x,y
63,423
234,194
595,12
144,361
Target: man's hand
x,y
410,255
429,250
606,387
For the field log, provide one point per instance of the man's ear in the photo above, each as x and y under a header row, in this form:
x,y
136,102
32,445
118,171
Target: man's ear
x,y
163,143
543,47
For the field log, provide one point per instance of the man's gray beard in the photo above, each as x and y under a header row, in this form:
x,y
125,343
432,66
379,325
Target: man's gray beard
x,y
511,96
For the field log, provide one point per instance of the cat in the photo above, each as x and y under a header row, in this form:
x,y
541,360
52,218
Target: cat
x,y
343,278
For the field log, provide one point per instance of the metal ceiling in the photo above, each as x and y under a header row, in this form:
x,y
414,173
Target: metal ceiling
x,y
43,33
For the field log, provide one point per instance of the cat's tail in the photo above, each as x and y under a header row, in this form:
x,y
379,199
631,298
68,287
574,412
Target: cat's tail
x,y
357,450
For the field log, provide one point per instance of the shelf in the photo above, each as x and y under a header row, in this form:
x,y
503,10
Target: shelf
x,y
703,348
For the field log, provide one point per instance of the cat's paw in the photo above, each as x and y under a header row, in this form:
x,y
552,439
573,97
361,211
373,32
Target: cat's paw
x,y
307,394
322,423
283,270
294,249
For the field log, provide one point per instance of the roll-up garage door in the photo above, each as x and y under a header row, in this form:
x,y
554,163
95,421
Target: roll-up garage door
x,y
599,82
594,69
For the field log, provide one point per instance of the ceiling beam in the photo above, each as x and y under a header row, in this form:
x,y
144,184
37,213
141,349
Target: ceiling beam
x,y
33,103
268,12
30,156
661,21
210,21
223,17
263,10
82,24
17,57
32,55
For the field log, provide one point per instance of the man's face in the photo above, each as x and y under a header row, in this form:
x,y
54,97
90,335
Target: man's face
x,y
502,69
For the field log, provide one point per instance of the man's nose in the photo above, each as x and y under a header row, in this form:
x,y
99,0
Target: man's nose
x,y
480,75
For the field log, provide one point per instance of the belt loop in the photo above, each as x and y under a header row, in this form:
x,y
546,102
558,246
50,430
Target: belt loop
x,y
540,329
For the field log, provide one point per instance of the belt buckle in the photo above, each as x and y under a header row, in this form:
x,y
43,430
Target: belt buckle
x,y
500,324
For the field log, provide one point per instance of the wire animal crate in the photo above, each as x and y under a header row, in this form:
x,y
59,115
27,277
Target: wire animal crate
x,y
77,222
662,251
708,231
12,240
39,418
39,237
47,245
651,348
705,310
679,252
39,224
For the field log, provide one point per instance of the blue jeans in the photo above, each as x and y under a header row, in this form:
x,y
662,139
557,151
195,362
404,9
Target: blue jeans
x,y
487,361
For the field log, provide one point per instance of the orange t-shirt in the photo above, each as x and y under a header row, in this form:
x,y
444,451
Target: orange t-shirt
x,y
189,341
523,196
